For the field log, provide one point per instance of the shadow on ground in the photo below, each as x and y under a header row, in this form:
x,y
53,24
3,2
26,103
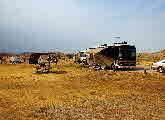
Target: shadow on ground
x,y
141,68
50,72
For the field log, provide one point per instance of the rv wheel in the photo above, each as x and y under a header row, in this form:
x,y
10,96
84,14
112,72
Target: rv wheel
x,y
160,69
103,67
112,66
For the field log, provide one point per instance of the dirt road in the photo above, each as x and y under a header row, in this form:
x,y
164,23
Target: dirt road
x,y
142,68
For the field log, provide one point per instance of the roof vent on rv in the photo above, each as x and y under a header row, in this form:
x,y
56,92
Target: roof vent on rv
x,y
120,43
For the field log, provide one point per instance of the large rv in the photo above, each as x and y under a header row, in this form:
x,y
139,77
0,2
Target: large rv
x,y
118,55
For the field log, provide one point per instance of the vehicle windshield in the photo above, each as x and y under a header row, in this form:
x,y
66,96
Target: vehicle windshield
x,y
162,61
82,54
127,53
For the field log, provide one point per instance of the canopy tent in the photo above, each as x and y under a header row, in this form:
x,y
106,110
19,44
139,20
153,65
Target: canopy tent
x,y
34,59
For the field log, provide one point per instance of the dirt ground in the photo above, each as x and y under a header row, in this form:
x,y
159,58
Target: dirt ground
x,y
72,92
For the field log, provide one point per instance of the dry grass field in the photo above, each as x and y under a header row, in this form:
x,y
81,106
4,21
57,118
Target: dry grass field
x,y
148,58
72,92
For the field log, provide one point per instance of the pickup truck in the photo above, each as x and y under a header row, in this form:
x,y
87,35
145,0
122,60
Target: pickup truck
x,y
159,66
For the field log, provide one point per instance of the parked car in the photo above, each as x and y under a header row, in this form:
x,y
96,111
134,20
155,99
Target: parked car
x,y
159,66
15,60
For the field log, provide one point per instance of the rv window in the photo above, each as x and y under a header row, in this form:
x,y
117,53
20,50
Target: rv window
x,y
82,55
129,53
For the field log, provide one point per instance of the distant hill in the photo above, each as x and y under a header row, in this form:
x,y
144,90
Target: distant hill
x,y
8,54
162,51
150,57
146,55
160,54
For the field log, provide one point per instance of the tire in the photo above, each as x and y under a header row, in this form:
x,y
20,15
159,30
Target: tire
x,y
160,69
103,67
113,67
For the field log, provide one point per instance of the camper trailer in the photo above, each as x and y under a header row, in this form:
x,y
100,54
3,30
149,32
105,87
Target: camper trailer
x,y
118,55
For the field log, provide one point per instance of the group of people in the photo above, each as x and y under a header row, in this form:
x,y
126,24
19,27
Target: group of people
x,y
52,59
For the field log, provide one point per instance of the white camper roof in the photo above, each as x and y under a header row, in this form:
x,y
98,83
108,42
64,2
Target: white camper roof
x,y
96,50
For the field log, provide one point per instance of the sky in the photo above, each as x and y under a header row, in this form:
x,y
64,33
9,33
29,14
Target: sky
x,y
72,25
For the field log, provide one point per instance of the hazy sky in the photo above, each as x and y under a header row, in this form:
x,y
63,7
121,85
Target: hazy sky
x,y
74,24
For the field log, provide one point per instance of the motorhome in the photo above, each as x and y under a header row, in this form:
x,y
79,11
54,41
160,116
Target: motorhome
x,y
118,55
